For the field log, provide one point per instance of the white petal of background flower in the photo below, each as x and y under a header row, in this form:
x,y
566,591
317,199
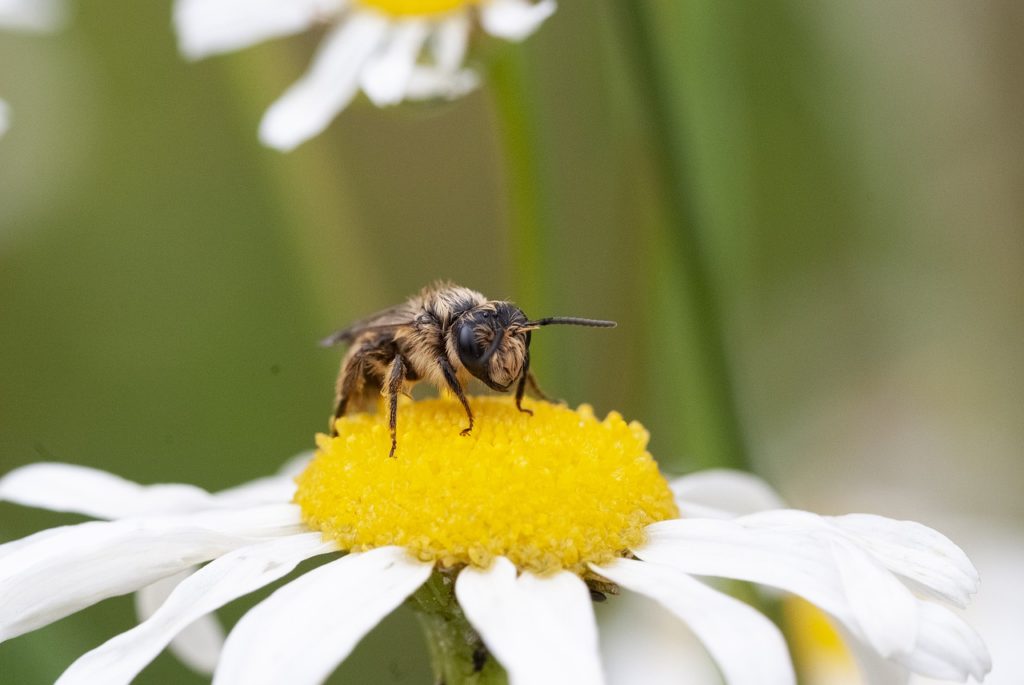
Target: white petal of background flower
x,y
515,19
221,581
723,493
541,629
791,560
445,77
32,15
302,632
426,83
364,48
386,75
747,647
50,575
449,40
313,101
207,27
198,644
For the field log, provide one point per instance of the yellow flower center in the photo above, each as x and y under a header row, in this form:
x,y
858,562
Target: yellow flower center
x,y
550,491
417,8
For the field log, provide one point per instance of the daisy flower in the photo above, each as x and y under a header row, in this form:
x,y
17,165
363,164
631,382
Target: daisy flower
x,y
503,539
34,16
392,50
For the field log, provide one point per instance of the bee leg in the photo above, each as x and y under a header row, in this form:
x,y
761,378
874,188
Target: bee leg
x,y
520,389
396,380
453,385
349,381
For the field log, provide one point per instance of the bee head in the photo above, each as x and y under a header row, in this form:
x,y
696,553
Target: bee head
x,y
493,343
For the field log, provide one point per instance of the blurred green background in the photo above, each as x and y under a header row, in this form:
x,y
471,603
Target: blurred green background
x,y
853,173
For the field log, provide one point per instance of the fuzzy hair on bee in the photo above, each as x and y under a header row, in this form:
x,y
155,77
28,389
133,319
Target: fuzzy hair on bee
x,y
445,335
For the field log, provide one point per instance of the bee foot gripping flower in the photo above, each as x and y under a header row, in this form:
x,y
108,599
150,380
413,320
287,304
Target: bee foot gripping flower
x,y
392,50
497,536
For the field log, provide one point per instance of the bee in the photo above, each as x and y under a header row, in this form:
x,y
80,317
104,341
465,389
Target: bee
x,y
445,335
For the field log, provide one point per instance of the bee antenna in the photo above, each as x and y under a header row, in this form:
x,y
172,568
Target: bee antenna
x,y
572,321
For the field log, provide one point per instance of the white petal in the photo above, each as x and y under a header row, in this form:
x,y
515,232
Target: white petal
x,y
541,629
641,642
793,559
747,647
427,83
277,488
723,493
386,75
947,647
9,548
926,558
32,15
302,632
883,606
197,645
82,490
206,27
872,668
330,84
50,576
221,581
916,552
514,19
727,549
449,40
266,490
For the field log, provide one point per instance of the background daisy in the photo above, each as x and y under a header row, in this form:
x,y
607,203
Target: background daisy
x,y
391,50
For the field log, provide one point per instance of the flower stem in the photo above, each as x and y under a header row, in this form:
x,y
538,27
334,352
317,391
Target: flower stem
x,y
457,654
710,419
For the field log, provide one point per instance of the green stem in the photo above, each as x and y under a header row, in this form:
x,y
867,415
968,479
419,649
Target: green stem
x,y
457,654
529,217
709,412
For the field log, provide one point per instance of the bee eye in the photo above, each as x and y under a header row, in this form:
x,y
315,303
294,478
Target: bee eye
x,y
469,350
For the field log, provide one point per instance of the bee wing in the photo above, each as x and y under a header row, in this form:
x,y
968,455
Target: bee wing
x,y
382,320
